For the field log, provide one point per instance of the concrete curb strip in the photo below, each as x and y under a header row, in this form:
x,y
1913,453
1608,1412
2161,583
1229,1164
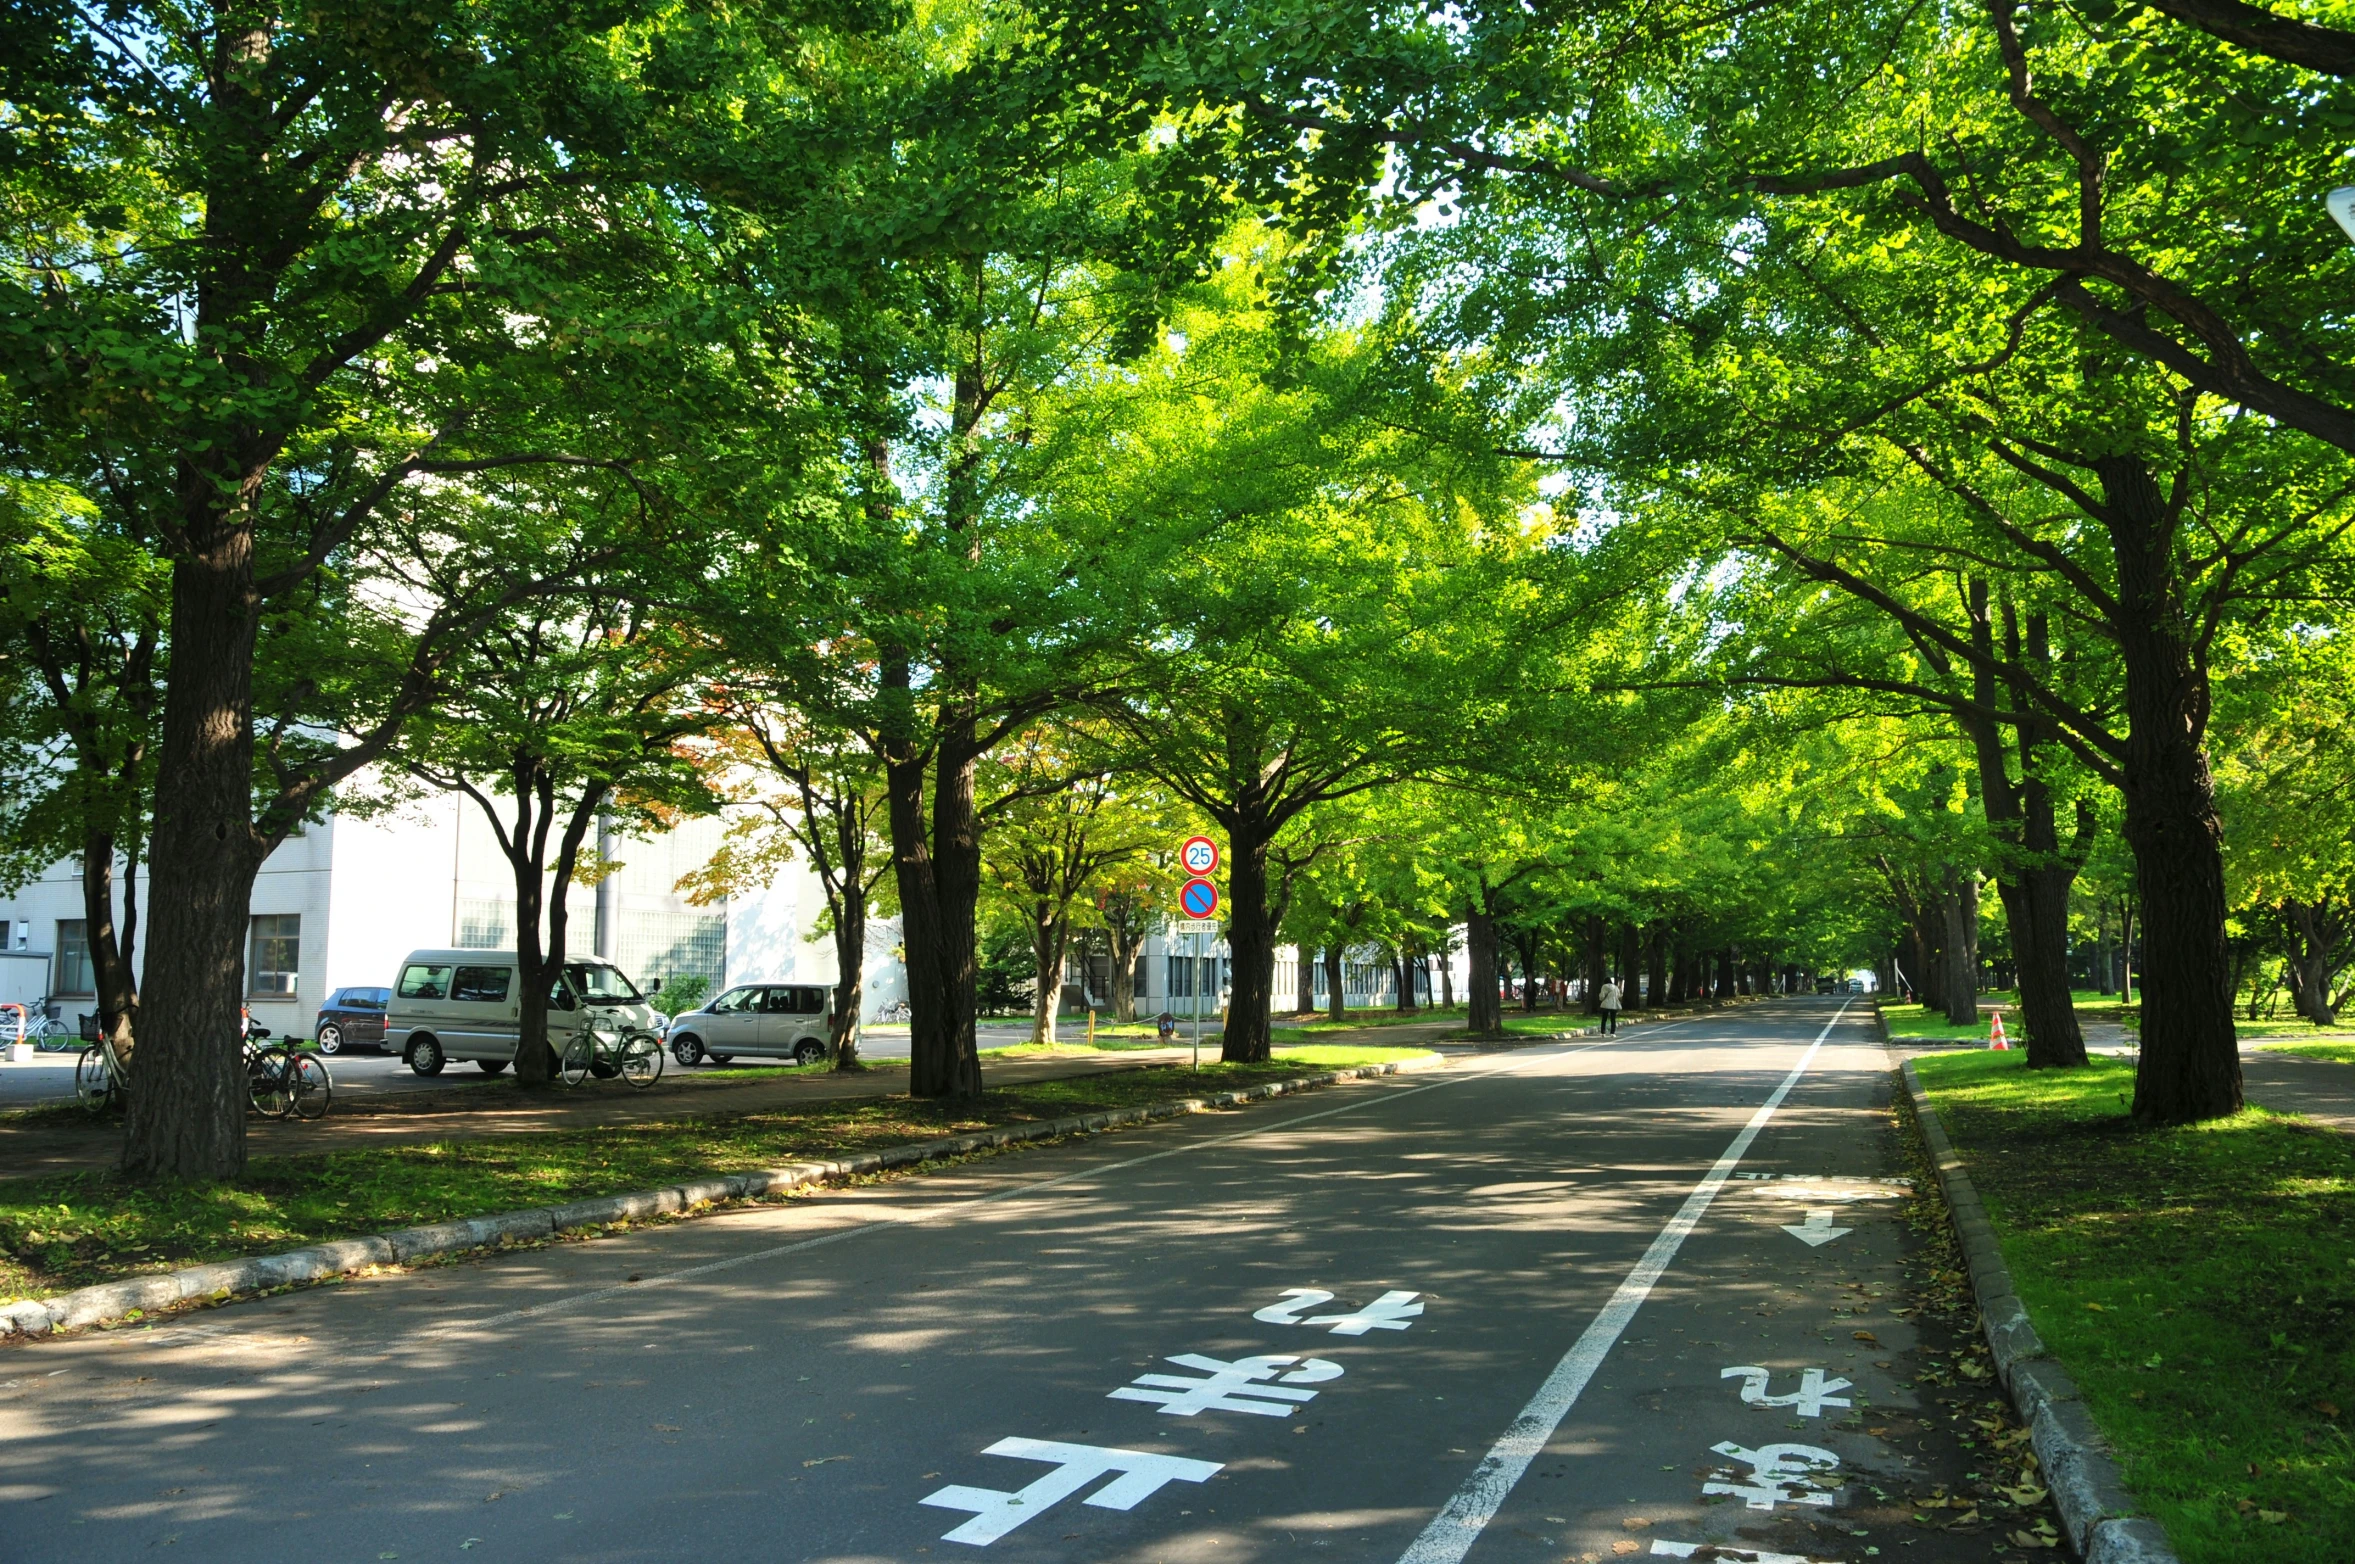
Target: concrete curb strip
x,y
2097,1513
228,1278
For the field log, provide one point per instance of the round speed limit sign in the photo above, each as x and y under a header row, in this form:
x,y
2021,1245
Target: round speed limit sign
x,y
1199,855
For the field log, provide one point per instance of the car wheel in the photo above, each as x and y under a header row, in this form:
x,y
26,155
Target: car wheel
x,y
331,1039
808,1051
490,1066
425,1055
687,1050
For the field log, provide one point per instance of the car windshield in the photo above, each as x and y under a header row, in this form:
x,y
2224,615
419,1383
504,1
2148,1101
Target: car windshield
x,y
602,985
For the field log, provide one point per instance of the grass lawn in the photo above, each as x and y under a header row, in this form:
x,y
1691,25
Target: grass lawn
x,y
1359,1019
2337,1053
77,1229
1925,1024
2198,1283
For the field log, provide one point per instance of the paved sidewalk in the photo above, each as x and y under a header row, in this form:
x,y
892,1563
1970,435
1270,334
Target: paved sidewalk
x,y
2317,1088
57,1143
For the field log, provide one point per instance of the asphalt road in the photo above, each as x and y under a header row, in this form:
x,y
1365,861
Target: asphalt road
x,y
1507,1313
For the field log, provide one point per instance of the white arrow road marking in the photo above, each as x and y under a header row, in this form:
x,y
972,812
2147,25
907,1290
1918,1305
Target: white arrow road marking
x,y
996,1512
1461,1520
1812,1396
1817,1231
1662,1548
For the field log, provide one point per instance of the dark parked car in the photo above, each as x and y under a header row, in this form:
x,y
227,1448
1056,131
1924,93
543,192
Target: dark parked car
x,y
352,1016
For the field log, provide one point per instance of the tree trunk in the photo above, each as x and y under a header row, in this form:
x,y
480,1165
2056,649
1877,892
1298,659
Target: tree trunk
x,y
1656,968
1596,963
112,954
1485,1007
2316,952
1631,967
1125,937
1048,933
1447,977
938,871
1402,972
2126,921
186,1115
1251,940
2104,970
1336,1002
1959,902
850,967
2033,875
1304,980
2190,1058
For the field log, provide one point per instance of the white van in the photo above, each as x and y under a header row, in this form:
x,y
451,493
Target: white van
x,y
766,1020
465,1004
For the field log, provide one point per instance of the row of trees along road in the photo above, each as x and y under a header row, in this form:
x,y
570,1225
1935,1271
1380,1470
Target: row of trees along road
x,y
2023,316
1579,479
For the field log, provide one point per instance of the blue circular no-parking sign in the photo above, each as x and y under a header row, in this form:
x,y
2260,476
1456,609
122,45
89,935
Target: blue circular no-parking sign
x,y
1199,898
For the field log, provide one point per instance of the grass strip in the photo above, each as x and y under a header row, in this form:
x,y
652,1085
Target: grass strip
x,y
78,1229
2199,1285
2336,1053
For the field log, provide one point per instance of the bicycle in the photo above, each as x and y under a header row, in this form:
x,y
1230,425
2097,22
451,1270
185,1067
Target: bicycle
x,y
99,1076
897,1010
635,1056
286,1082
35,1025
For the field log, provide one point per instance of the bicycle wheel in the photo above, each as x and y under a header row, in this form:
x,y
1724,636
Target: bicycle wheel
x,y
93,1079
572,1067
641,1060
269,1078
51,1036
309,1087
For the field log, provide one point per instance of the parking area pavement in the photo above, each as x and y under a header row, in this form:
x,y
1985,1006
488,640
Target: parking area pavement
x,y
1581,1301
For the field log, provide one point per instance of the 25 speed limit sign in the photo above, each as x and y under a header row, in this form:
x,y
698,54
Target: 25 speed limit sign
x,y
1199,856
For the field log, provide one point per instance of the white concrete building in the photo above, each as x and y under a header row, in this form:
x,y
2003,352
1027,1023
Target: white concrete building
x,y
339,906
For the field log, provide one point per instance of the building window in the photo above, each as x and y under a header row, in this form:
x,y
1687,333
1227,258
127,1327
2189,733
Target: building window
x,y
654,946
73,957
275,956
485,923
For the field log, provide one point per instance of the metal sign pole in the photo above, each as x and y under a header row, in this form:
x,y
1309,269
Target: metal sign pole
x,y
1197,1004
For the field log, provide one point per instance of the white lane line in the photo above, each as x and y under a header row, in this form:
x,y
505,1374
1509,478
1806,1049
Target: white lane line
x,y
1020,1191
1460,1522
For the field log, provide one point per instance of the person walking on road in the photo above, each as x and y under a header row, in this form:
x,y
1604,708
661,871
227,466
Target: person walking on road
x,y
1609,1000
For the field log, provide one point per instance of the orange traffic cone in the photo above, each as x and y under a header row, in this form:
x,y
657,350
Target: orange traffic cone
x,y
1996,1041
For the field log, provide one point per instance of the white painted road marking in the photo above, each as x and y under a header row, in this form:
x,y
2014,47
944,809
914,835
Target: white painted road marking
x,y
1719,1550
995,1512
1391,1311
1239,1386
1461,1520
1776,1475
1812,1396
1817,1230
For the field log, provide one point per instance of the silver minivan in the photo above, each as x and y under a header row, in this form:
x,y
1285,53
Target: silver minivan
x,y
764,1020
465,1004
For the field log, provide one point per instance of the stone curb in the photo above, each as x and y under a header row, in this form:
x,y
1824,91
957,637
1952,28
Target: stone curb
x,y
230,1278
2097,1513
